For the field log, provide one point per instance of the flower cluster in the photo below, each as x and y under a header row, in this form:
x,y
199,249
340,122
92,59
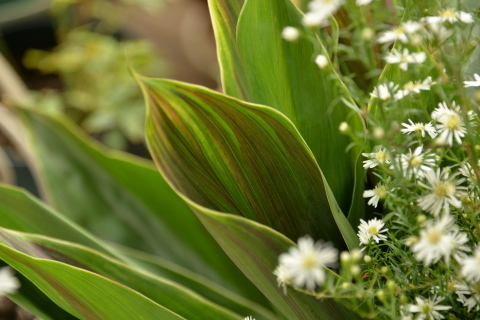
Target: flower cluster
x,y
421,242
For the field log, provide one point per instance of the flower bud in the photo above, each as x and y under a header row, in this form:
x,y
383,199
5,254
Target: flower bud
x,y
344,127
378,133
290,34
368,34
321,61
367,259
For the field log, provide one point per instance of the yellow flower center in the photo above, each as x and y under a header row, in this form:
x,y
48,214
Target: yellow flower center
x,y
419,127
448,13
381,156
415,161
373,231
410,86
381,192
444,189
308,262
427,309
434,237
454,122
399,30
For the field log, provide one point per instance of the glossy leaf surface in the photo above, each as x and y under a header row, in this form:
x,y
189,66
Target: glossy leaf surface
x,y
76,290
22,212
124,199
237,158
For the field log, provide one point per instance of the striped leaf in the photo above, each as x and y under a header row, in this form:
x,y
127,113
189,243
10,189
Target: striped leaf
x,y
22,212
76,290
255,249
124,199
239,158
283,75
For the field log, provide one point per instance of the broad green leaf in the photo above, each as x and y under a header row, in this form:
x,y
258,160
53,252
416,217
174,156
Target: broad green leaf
x,y
23,212
164,292
83,294
224,14
238,158
283,75
124,199
32,299
255,249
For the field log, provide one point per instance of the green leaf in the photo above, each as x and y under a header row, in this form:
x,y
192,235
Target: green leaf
x,y
255,249
164,292
81,293
22,212
259,66
124,199
236,157
225,15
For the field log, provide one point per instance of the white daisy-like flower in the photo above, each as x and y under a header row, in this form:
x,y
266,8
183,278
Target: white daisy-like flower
x,y
361,3
419,128
417,163
400,33
473,291
467,171
371,230
404,58
384,91
378,193
435,241
471,266
475,83
450,124
283,278
457,241
9,284
413,87
314,19
305,264
379,157
320,10
443,192
451,15
290,33
428,308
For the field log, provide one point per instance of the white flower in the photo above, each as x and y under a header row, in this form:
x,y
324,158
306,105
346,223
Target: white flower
x,y
475,83
405,58
412,87
313,19
290,33
471,266
417,163
452,16
321,61
450,124
376,158
379,192
305,264
362,2
283,278
463,290
400,33
9,284
435,241
419,128
428,308
457,241
319,11
371,230
384,91
249,318
443,192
